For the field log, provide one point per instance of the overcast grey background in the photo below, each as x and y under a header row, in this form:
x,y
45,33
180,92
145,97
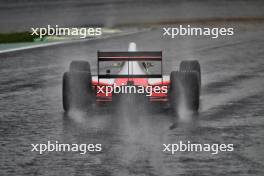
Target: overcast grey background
x,y
19,15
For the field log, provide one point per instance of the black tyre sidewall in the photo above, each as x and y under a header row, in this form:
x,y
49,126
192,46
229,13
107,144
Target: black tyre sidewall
x,y
66,91
184,86
191,90
77,91
192,65
80,65
175,90
80,90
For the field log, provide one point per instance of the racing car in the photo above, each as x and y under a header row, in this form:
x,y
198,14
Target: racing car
x,y
82,90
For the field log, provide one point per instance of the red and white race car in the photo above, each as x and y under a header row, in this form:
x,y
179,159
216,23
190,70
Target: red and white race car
x,y
136,73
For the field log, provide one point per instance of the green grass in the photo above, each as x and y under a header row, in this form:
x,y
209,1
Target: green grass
x,y
17,37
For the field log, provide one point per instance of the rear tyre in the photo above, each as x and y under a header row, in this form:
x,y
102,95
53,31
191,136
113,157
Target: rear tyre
x,y
80,65
66,91
184,91
192,65
77,91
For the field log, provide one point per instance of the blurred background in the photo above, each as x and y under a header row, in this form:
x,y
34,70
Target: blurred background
x,y
21,15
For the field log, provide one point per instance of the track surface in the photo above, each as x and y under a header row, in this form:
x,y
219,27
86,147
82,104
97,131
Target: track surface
x,y
231,111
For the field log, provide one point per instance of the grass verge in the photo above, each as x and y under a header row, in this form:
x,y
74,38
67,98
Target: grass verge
x,y
17,37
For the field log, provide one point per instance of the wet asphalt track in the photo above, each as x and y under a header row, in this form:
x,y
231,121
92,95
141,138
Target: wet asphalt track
x,y
231,111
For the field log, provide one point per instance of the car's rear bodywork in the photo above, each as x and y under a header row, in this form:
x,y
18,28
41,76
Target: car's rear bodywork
x,y
132,71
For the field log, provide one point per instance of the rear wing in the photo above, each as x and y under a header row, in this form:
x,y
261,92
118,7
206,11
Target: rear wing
x,y
129,56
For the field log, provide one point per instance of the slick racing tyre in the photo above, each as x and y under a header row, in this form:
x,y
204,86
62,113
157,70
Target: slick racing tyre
x,y
66,91
184,91
80,65
192,65
77,91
